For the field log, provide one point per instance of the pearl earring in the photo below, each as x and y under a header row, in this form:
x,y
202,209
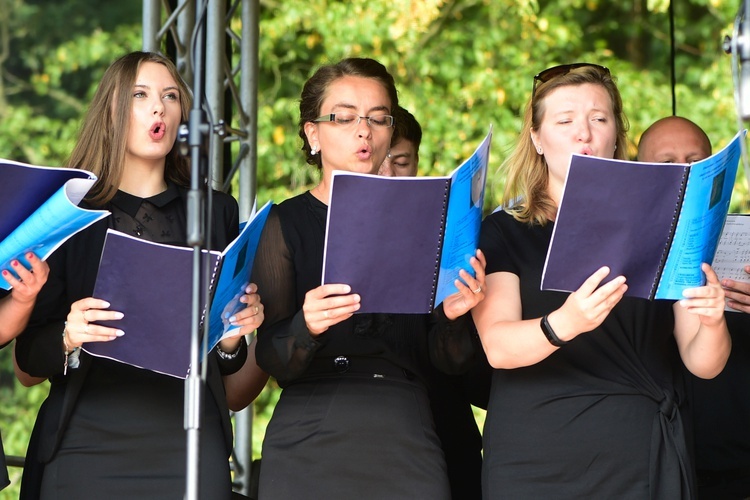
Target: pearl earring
x,y
313,151
539,150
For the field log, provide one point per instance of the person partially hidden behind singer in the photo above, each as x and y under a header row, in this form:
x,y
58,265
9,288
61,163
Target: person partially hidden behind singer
x,y
110,430
720,407
451,396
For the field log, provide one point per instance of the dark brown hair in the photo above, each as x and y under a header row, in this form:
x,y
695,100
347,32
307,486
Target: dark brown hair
x,y
406,127
315,91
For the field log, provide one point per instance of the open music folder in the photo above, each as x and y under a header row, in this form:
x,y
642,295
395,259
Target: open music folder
x,y
653,223
152,285
400,242
40,209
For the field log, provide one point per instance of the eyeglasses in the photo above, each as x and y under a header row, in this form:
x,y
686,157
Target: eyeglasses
x,y
555,71
351,119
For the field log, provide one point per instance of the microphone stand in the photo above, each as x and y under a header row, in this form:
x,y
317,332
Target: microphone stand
x,y
198,213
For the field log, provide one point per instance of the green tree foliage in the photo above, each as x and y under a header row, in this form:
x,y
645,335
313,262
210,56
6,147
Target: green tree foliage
x,y
50,61
460,65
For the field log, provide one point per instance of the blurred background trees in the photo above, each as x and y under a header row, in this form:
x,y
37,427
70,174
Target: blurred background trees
x,y
460,66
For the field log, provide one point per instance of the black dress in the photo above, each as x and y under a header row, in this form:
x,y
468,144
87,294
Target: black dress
x,y
110,430
353,419
4,479
721,412
601,416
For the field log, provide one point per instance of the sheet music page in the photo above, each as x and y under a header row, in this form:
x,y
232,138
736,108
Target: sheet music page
x,y
733,252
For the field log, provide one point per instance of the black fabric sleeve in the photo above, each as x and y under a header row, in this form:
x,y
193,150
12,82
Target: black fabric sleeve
x,y
285,346
492,241
452,343
230,366
39,349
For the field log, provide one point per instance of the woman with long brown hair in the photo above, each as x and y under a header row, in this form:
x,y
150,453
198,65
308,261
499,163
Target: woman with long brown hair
x,y
108,429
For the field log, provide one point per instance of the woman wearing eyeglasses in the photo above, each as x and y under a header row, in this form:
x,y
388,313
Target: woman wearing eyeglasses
x,y
353,419
586,397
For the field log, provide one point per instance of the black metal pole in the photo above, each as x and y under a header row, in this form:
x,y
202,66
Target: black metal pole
x,y
196,237
672,58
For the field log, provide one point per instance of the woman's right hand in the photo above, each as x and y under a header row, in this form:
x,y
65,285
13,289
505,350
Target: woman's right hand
x,y
328,305
79,327
29,281
587,307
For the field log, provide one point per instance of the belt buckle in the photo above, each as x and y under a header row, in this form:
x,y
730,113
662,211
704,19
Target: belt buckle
x,y
341,364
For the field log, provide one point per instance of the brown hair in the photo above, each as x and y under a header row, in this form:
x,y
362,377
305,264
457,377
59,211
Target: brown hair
x,y
315,91
527,172
406,127
102,140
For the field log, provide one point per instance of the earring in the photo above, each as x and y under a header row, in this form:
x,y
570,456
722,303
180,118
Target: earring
x,y
539,150
313,151
615,147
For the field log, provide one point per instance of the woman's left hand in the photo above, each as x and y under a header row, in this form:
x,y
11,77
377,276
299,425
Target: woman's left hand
x,y
470,290
706,301
248,318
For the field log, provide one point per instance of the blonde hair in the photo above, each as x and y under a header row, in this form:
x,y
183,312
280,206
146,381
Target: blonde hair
x,y
527,173
102,140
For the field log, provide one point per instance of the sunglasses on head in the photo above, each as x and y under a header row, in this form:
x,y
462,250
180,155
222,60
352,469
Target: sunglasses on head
x,y
563,69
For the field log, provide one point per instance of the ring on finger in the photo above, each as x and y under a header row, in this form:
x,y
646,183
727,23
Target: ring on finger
x,y
326,314
477,290
257,309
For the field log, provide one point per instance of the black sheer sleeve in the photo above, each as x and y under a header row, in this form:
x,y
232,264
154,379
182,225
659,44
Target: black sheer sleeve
x,y
453,343
285,346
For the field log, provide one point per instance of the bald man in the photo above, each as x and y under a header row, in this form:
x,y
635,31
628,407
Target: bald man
x,y
721,406
674,140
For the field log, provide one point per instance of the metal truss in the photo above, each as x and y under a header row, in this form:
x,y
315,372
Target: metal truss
x,y
231,86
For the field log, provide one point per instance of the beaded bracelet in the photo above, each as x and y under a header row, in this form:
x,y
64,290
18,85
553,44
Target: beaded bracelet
x,y
71,355
229,355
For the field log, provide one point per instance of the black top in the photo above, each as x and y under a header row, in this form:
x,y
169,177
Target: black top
x,y
289,264
599,417
4,480
73,268
721,408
